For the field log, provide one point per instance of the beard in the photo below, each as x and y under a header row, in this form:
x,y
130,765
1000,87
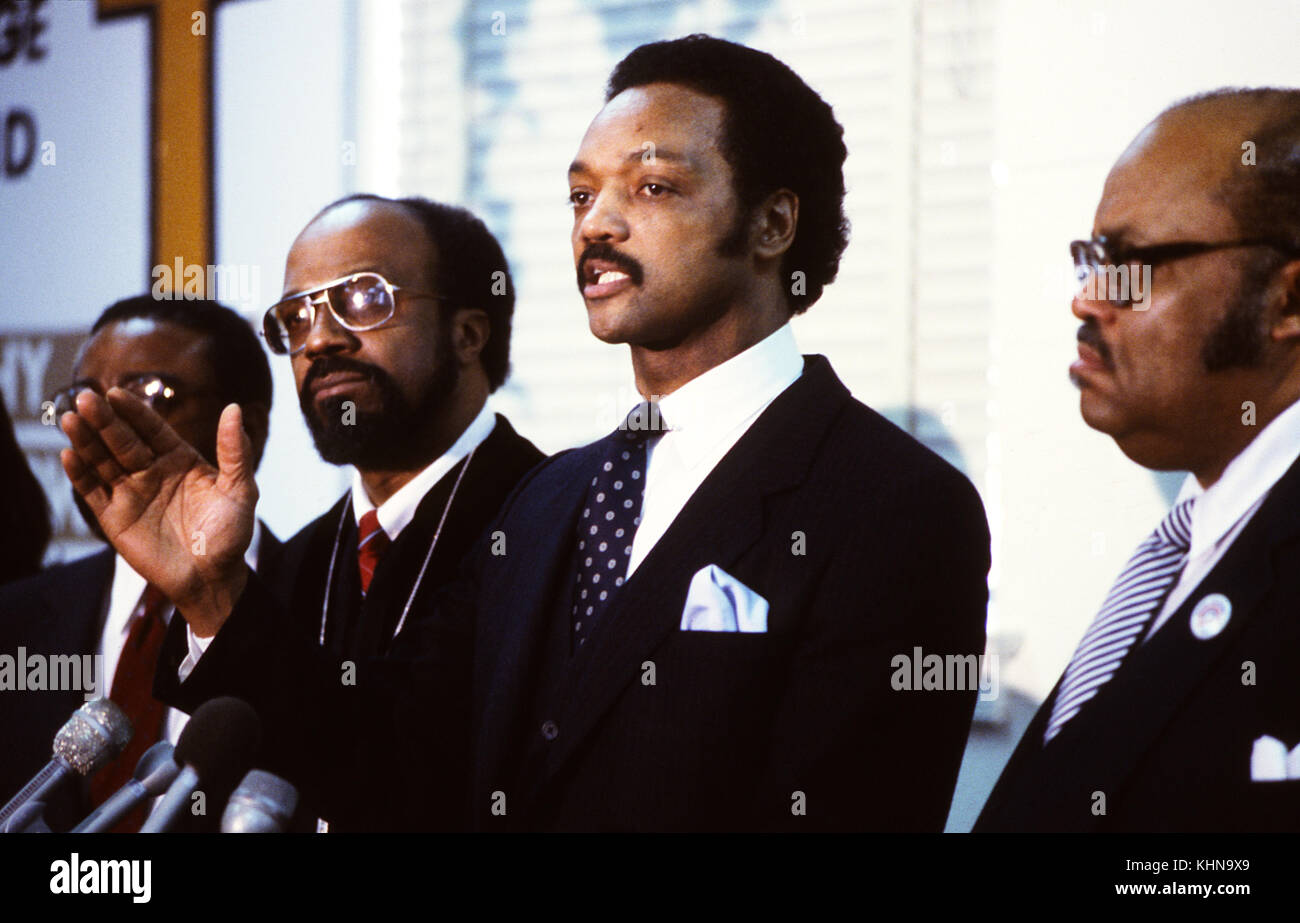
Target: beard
x,y
400,435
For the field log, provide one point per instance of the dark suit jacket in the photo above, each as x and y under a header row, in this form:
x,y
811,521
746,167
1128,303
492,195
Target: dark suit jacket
x,y
1168,739
736,731
59,612
357,628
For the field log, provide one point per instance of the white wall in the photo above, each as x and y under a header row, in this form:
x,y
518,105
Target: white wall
x,y
285,79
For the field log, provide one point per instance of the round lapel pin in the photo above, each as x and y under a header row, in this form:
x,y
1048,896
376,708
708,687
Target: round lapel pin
x,y
1210,616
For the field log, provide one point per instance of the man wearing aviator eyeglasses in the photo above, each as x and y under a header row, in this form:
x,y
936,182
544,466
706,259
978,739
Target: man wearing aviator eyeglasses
x,y
396,318
1179,708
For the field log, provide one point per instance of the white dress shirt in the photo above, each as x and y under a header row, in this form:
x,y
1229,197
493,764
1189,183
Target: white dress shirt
x,y
706,417
1221,512
125,598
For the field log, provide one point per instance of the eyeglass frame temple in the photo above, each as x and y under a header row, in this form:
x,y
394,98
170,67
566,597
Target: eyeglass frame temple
x,y
1188,248
1097,247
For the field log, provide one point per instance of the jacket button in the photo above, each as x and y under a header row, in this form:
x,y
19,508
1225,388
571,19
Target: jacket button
x,y
550,730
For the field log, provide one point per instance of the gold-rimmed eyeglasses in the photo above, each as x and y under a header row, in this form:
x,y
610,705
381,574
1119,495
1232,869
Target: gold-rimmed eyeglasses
x,y
360,301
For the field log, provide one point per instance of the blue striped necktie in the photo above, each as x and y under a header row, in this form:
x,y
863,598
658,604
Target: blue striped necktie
x,y
1136,596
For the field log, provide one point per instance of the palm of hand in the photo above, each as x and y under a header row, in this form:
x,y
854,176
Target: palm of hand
x,y
183,514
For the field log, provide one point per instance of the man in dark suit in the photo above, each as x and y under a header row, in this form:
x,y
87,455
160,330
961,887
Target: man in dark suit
x,y
393,379
187,359
696,622
1178,710
397,317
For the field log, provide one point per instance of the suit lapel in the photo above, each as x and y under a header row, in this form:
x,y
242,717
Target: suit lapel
x,y
720,522
469,494
270,553
496,466
400,567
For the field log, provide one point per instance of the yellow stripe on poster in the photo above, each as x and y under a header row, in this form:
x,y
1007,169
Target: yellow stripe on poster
x,y
180,131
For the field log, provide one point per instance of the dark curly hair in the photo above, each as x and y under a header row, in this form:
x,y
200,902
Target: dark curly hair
x,y
466,261
778,134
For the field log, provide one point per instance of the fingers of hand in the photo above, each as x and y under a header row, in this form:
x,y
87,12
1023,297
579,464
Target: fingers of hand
x,y
151,429
90,449
84,481
124,444
234,450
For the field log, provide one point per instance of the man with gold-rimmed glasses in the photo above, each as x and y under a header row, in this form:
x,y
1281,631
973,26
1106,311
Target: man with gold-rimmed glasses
x,y
396,318
1177,710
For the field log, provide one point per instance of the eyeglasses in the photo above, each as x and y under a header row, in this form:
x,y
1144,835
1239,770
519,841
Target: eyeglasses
x,y
361,301
158,391
1093,258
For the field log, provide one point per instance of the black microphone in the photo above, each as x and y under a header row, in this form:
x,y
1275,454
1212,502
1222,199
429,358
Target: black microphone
x,y
263,803
91,739
215,748
153,774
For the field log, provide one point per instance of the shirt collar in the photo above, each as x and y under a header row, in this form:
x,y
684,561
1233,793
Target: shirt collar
x,y
1244,483
702,412
399,509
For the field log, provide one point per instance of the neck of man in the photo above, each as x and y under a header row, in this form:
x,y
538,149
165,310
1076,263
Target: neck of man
x,y
749,321
466,403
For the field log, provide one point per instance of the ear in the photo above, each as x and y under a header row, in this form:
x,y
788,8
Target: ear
x,y
257,423
1286,290
774,224
470,329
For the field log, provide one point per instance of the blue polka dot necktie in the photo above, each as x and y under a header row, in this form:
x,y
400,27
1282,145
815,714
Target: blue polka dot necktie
x,y
610,516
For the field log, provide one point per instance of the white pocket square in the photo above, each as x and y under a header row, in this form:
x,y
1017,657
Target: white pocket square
x,y
717,601
1270,761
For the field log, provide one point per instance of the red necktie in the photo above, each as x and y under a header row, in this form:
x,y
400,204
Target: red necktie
x,y
372,542
133,691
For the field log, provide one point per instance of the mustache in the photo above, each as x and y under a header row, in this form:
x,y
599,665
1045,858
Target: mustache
x,y
607,253
1090,336
330,364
